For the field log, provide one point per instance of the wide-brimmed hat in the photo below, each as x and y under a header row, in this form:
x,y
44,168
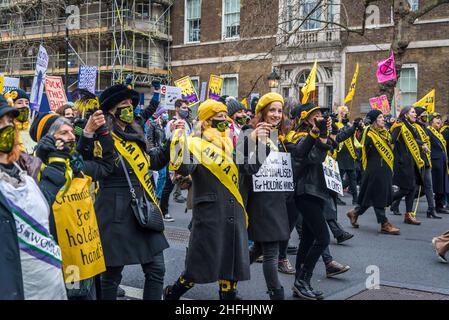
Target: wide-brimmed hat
x,y
5,108
116,94
304,110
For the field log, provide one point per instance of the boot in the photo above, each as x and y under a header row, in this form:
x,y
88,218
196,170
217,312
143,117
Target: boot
x,y
442,210
175,291
229,295
344,237
353,216
302,288
388,228
277,294
431,214
410,219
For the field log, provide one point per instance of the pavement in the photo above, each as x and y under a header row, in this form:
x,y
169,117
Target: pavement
x,y
382,266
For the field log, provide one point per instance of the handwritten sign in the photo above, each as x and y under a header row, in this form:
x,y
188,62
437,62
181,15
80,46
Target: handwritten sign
x,y
381,104
275,175
55,92
332,175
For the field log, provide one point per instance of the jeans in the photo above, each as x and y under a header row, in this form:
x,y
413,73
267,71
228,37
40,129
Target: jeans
x,y
350,182
168,188
327,258
315,234
409,198
428,188
380,213
270,251
154,279
336,228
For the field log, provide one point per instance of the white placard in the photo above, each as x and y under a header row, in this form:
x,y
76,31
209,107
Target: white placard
x,y
171,95
203,91
37,88
332,175
11,83
275,175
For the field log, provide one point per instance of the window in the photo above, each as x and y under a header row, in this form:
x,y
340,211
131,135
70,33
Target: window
x,y
143,9
414,4
230,85
196,84
408,84
231,18
289,8
193,20
330,11
287,74
308,9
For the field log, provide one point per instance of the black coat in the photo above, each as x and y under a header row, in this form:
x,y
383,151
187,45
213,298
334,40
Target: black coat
x,y
344,158
440,178
218,244
11,283
124,241
376,186
267,211
406,173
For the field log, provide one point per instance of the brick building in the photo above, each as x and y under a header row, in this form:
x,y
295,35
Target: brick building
x,y
231,38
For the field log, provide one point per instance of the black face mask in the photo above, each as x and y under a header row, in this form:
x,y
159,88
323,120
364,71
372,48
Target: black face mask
x,y
220,125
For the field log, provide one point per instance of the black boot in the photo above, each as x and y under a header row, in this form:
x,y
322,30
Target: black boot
x,y
302,288
229,295
277,294
175,291
431,214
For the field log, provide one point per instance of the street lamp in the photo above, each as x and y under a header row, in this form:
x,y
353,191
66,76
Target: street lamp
x,y
273,79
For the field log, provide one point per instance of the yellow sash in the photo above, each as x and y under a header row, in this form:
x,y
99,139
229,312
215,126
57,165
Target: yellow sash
x,y
425,138
442,141
348,143
216,160
382,147
443,128
78,233
412,146
294,136
139,162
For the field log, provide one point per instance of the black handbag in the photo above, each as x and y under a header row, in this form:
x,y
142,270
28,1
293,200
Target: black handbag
x,y
147,213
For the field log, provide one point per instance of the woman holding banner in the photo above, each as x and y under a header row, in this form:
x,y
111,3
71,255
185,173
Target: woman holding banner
x,y
408,164
377,162
218,245
31,270
267,210
125,241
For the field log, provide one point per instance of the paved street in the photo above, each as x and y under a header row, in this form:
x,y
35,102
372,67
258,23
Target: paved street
x,y
407,261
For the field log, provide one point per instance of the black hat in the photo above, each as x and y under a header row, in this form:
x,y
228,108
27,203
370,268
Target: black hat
x,y
234,106
42,124
295,112
116,94
304,110
16,94
419,111
5,108
373,114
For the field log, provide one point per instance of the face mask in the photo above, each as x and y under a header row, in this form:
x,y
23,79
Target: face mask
x,y
7,139
183,114
72,146
125,114
220,125
242,120
24,115
165,117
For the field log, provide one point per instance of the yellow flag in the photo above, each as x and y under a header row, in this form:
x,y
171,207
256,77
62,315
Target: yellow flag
x,y
309,86
428,102
351,92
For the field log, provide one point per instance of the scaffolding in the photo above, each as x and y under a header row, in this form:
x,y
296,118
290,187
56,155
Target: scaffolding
x,y
119,37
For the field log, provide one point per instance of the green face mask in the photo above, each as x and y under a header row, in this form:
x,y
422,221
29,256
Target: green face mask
x,y
72,146
220,125
7,139
125,114
241,121
24,115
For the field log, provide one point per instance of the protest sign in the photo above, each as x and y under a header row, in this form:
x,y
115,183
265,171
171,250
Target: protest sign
x,y
215,86
37,89
332,175
275,175
386,69
10,84
171,94
188,90
380,103
87,78
55,92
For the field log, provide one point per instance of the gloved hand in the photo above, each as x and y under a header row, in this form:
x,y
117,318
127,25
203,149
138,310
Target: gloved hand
x,y
358,124
322,125
156,84
47,148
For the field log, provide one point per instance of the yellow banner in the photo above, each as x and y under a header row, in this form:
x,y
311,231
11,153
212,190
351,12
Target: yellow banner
x,y
382,147
215,86
351,91
412,146
78,233
310,84
139,162
427,102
